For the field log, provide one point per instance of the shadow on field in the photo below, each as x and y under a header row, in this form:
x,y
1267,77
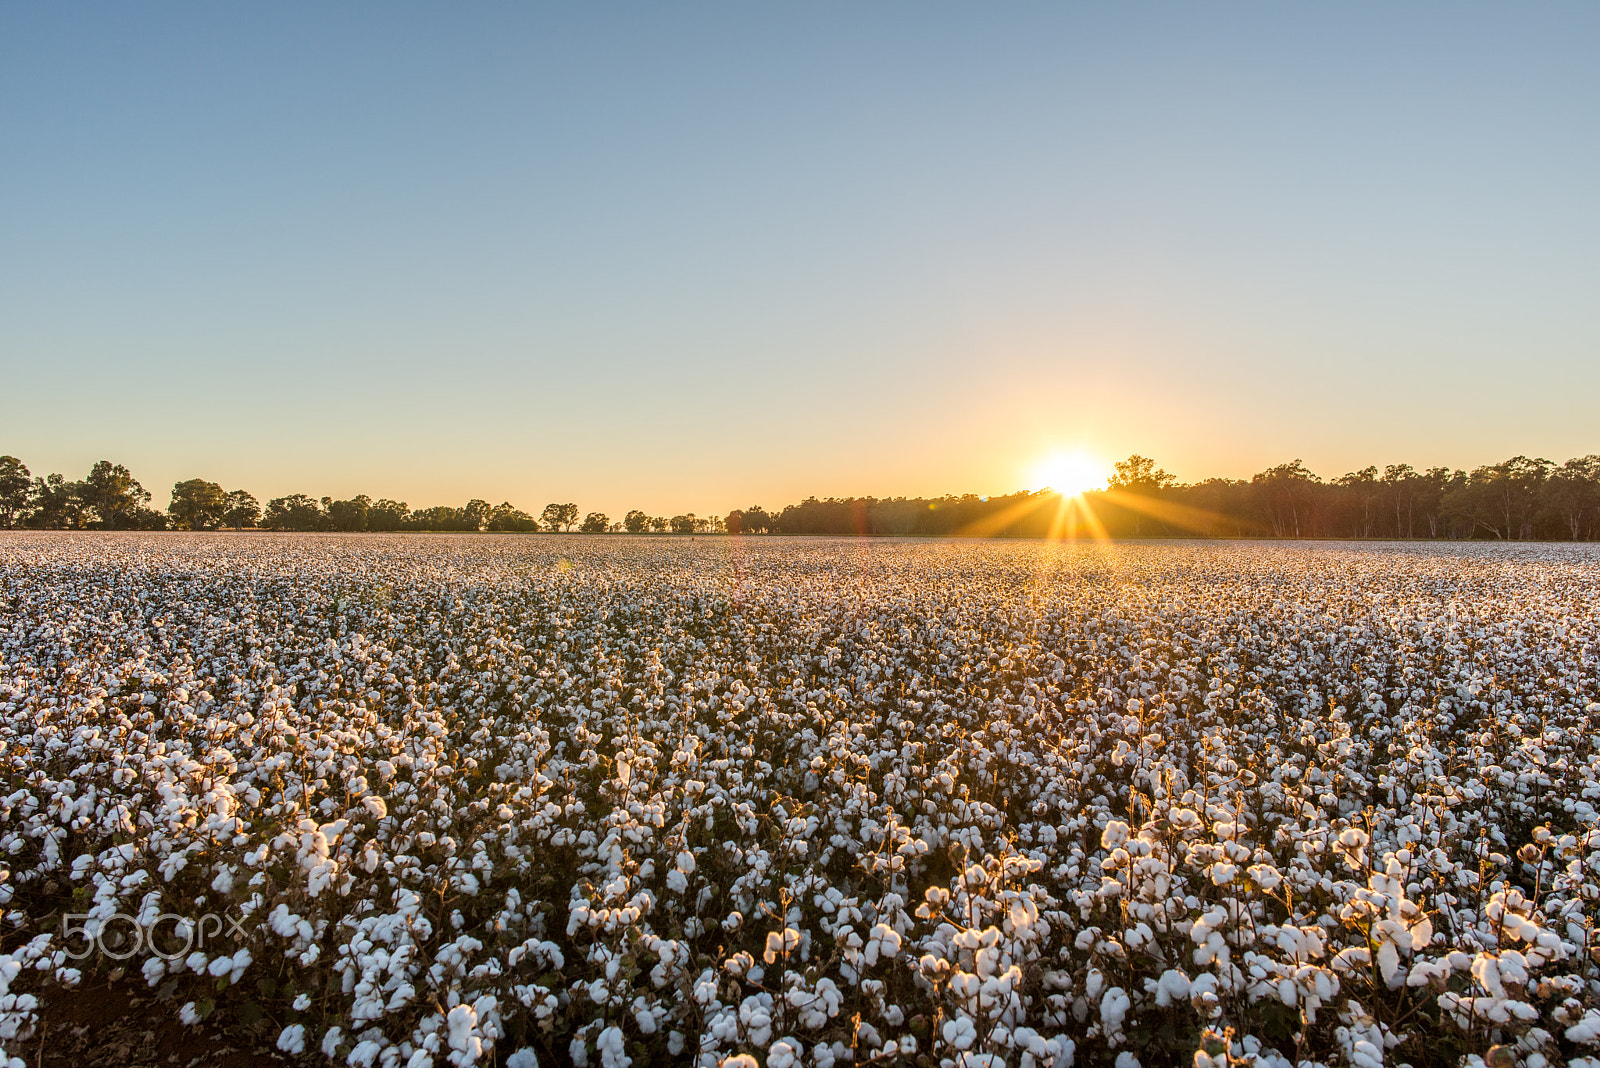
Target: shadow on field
x,y
121,1025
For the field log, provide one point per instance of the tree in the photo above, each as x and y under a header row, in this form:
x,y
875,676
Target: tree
x,y
1361,487
636,522
388,515
57,504
243,510
348,515
15,487
198,504
477,513
1432,485
113,494
683,524
1138,474
1574,491
757,520
1285,495
734,523
148,519
658,523
441,517
1501,498
595,523
508,518
559,516
294,512
1401,482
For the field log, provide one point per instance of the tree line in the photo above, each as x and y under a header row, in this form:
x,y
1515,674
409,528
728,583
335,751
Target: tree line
x,y
110,498
1517,499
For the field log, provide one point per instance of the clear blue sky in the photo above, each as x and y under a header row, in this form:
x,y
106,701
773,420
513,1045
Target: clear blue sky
x,y
698,256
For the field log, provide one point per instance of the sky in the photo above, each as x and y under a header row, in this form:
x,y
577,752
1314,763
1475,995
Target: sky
x,y
700,256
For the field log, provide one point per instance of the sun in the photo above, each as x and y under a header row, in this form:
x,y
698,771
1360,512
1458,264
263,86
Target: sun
x,y
1070,473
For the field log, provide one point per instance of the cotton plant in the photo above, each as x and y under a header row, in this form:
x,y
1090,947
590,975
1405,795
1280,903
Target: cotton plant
x,y
614,803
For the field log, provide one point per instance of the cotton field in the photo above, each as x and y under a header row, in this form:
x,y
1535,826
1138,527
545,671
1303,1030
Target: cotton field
x,y
600,801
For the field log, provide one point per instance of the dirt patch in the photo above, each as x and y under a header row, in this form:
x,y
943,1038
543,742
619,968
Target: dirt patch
x,y
104,1024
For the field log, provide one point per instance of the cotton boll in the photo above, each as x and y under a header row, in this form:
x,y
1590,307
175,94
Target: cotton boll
x,y
292,1039
784,1053
1114,1007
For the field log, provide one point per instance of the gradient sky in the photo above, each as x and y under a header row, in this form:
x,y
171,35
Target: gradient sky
x,y
696,256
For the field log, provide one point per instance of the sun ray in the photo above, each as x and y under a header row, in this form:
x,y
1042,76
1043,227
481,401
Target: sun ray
x,y
990,525
1185,518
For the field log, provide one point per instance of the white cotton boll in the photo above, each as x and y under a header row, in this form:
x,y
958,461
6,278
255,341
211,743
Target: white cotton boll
x,y
779,943
365,1053
523,1058
1265,876
1389,963
1486,970
1115,834
1586,1031
376,806
292,1039
1126,1059
154,968
330,1041
784,1053
959,1033
1113,1010
686,862
612,1049
1171,988
189,1014
302,1002
884,942
739,1060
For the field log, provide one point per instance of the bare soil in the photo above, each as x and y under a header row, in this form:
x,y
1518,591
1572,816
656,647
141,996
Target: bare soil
x,y
122,1024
